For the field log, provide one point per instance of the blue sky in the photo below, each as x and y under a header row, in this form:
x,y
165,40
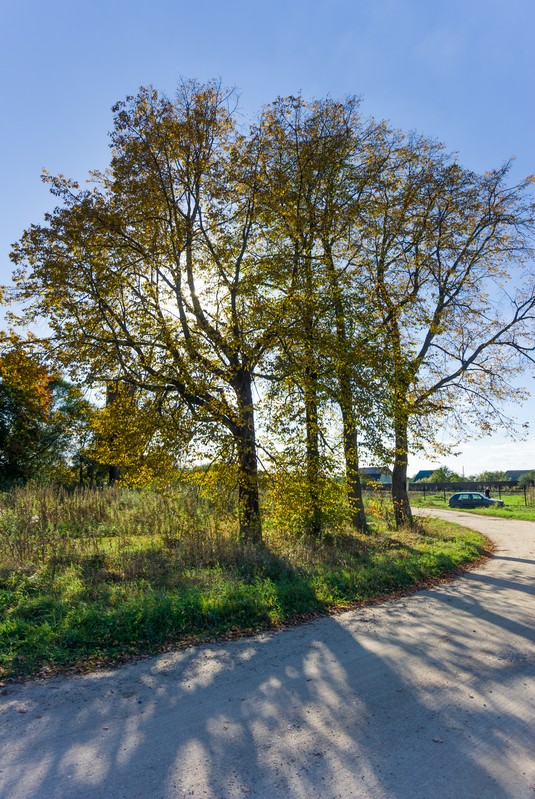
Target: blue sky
x,y
461,71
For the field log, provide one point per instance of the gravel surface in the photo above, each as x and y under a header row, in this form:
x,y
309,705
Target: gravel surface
x,y
428,697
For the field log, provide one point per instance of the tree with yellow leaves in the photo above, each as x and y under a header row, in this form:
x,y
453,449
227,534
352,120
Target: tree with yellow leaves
x,y
41,416
25,402
154,275
439,245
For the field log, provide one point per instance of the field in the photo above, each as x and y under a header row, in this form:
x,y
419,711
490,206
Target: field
x,y
515,507
94,577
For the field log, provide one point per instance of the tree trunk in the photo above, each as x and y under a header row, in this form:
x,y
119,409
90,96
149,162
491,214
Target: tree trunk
x,y
314,514
112,390
400,497
345,400
354,489
245,437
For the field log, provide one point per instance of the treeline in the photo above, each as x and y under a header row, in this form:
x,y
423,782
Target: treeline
x,y
291,292
446,475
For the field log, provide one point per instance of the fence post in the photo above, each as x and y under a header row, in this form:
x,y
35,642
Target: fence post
x,y
525,495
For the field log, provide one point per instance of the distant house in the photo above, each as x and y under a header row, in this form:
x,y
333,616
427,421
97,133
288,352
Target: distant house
x,y
423,474
376,474
516,474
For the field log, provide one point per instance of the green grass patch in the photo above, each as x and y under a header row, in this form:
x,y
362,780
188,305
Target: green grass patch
x,y
90,594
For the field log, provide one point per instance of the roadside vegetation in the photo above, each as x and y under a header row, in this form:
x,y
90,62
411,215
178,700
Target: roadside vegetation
x,y
95,576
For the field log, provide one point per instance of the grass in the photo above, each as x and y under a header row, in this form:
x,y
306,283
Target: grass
x,y
96,577
514,507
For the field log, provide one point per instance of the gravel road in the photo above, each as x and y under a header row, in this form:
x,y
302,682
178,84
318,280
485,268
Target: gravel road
x,y
427,697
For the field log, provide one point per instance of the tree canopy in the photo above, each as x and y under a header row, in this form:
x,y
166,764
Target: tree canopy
x,y
527,479
490,476
443,475
42,417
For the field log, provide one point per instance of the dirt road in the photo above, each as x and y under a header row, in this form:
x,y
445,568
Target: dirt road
x,y
428,697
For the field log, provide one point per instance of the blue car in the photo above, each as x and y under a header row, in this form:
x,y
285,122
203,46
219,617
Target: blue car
x,y
473,499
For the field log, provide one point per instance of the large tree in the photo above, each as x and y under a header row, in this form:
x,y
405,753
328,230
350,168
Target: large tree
x,y
441,244
151,275
319,161
292,166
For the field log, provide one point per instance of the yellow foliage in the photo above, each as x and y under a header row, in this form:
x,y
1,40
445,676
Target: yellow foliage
x,y
127,436
24,374
290,505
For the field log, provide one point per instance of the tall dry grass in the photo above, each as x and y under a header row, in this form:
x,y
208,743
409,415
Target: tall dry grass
x,y
124,534
40,525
